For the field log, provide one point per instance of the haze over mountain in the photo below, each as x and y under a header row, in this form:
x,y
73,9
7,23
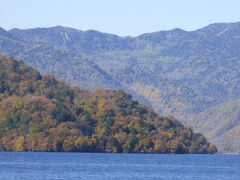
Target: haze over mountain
x,y
176,72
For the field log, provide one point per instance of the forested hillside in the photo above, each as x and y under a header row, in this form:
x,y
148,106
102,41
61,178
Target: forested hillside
x,y
39,113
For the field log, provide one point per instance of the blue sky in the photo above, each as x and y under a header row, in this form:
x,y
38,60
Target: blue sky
x,y
121,17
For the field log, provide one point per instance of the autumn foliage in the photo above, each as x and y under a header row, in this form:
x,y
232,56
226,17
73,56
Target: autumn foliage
x,y
39,113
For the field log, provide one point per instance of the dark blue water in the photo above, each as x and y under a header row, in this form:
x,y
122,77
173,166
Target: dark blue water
x,y
14,166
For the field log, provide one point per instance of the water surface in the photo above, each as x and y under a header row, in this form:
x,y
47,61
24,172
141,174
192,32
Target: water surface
x,y
89,166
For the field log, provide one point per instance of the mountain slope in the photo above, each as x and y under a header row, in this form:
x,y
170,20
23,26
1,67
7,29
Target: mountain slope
x,y
38,113
221,124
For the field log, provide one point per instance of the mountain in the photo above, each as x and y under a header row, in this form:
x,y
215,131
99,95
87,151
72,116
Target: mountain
x,y
39,113
176,72
77,69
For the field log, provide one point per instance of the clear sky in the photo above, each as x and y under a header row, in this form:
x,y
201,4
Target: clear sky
x,y
121,17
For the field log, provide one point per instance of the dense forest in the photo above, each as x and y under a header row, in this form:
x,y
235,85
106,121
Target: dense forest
x,y
39,113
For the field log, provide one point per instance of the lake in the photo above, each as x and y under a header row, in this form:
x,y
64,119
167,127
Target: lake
x,y
89,166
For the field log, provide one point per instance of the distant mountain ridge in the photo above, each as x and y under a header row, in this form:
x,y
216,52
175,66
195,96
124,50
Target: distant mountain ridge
x,y
176,72
74,40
